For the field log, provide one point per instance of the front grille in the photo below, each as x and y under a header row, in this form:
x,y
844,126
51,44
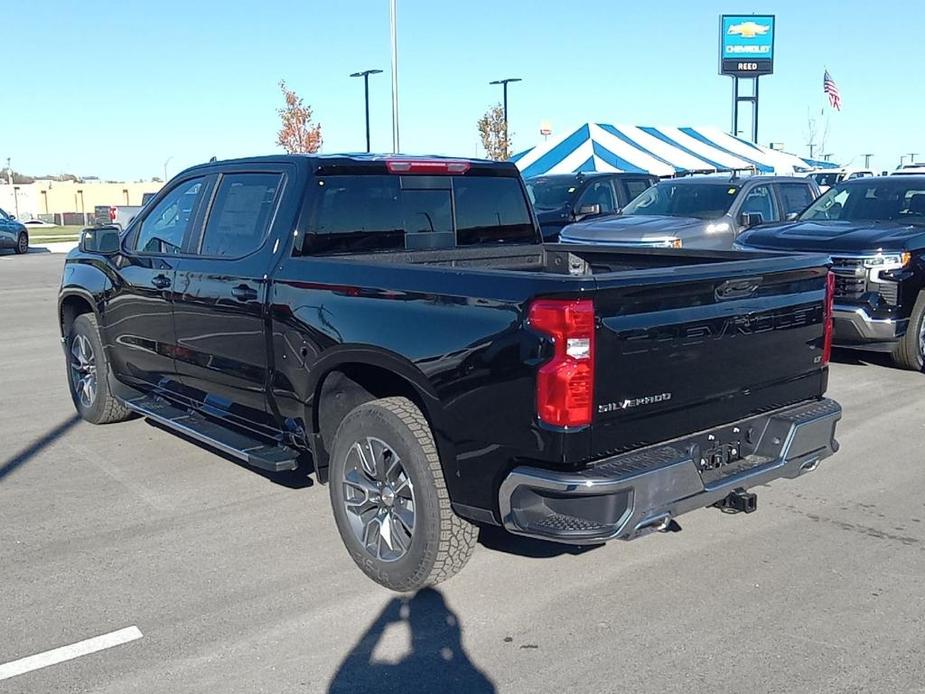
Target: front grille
x,y
852,281
850,277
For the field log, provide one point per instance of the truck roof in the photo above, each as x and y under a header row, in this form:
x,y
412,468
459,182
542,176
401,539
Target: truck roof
x,y
352,160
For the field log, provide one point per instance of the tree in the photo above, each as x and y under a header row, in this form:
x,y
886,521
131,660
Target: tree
x,y
495,139
297,133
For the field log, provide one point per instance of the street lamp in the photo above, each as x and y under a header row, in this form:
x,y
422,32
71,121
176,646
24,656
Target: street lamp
x,y
165,167
365,75
867,160
504,84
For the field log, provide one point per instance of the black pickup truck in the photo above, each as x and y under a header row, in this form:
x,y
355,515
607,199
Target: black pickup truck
x,y
397,325
874,230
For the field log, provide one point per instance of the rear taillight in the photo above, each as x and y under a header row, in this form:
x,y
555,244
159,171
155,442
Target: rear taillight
x,y
829,303
112,214
565,384
434,167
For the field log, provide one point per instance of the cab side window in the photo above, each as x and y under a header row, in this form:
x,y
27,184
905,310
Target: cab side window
x,y
598,193
760,201
241,214
636,187
164,229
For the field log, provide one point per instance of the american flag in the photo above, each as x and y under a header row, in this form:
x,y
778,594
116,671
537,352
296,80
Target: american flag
x,y
830,88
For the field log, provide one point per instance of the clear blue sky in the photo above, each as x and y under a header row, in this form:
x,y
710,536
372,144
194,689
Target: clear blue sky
x,y
114,88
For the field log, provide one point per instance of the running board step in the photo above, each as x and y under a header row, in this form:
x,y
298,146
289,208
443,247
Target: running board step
x,y
252,451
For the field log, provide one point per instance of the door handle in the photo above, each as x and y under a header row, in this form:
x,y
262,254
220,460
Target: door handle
x,y
244,293
160,281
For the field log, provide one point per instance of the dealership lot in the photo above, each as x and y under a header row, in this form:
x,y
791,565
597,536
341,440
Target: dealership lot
x,y
237,581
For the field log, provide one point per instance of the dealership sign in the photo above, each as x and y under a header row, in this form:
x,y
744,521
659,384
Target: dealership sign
x,y
746,45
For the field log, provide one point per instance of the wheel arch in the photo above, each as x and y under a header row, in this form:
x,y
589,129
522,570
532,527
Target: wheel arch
x,y
354,376
71,304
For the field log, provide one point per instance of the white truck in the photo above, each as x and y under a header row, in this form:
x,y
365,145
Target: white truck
x,y
120,215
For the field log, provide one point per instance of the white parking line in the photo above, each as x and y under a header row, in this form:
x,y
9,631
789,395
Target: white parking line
x,y
75,650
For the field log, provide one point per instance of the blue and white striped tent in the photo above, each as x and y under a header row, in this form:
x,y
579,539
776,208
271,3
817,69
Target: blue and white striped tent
x,y
661,151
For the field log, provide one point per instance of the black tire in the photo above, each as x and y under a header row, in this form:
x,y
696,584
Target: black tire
x,y
909,352
441,542
101,407
22,243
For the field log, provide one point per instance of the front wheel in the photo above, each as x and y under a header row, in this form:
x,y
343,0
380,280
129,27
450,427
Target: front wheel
x,y
909,352
88,374
22,243
390,500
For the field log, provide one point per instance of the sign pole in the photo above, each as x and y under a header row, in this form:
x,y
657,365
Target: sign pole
x,y
755,114
735,106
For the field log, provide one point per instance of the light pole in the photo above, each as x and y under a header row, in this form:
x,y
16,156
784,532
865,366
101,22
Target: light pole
x,y
365,75
393,35
504,84
166,162
912,156
867,160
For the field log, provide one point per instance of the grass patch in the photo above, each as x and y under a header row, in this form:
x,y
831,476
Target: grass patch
x,y
40,235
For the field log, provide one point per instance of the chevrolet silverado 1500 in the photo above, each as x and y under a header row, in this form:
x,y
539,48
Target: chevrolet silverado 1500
x,y
398,325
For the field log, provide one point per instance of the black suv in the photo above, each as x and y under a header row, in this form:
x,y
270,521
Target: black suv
x,y
561,199
874,230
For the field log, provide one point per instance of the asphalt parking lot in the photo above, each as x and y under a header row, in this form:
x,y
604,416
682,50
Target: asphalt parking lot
x,y
237,581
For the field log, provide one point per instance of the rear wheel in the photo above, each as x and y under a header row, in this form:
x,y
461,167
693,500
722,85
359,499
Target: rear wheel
x,y
88,374
22,242
909,352
390,500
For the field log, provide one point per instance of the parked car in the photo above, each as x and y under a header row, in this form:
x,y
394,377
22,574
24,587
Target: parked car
x,y
874,231
697,212
38,224
826,178
13,234
119,215
910,170
561,199
400,323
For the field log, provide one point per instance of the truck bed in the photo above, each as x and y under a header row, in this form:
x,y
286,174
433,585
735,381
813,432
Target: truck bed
x,y
559,259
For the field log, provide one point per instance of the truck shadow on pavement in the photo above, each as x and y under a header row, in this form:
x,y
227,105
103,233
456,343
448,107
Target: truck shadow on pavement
x,y
435,662
23,456
499,540
858,358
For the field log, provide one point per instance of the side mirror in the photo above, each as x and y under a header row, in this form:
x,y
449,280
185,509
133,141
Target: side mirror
x,y
792,215
750,219
12,216
588,210
100,240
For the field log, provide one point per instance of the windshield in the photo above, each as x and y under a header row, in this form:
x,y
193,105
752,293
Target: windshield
x,y
551,193
882,201
676,199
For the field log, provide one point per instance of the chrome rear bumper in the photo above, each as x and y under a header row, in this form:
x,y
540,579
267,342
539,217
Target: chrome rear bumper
x,y
634,493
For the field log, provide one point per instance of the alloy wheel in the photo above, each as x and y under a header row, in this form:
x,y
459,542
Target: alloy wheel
x,y
23,243
378,499
922,337
83,370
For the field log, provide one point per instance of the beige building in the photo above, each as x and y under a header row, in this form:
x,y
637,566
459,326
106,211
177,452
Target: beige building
x,y
48,198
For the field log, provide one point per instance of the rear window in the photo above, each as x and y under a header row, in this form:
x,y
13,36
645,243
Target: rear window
x,y
371,213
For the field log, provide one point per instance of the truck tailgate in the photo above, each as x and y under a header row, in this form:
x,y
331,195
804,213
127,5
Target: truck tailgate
x,y
673,358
